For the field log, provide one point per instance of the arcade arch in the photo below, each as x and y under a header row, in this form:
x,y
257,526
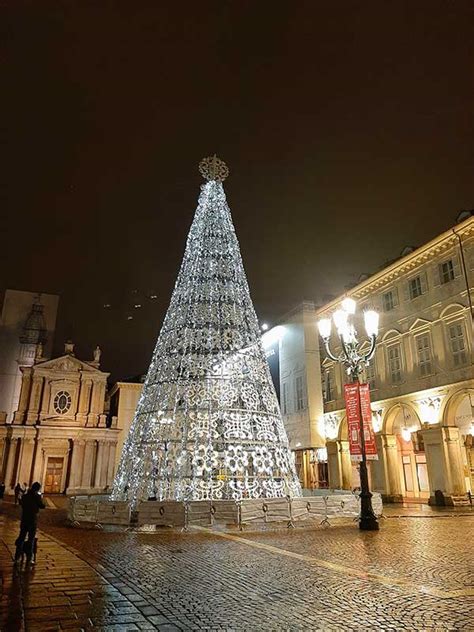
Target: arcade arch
x,y
459,411
403,422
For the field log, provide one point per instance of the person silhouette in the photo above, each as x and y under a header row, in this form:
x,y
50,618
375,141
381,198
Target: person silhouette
x,y
31,503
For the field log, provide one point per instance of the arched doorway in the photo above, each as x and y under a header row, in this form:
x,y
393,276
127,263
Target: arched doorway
x,y
403,422
459,411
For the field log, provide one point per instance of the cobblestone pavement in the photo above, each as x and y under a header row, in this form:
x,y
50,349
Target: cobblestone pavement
x,y
415,574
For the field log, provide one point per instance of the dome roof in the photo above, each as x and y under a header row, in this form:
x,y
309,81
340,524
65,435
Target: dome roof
x,y
34,329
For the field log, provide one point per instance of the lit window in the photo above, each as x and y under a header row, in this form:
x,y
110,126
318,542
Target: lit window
x,y
388,301
457,344
395,363
423,350
446,271
284,398
415,287
299,393
62,402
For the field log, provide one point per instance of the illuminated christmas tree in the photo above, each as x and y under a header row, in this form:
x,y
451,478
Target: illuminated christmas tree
x,y
208,424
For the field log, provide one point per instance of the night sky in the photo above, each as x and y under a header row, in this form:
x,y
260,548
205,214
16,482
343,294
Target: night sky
x,y
347,127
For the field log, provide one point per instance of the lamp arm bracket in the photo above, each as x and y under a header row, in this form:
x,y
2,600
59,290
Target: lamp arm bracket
x,y
370,354
329,353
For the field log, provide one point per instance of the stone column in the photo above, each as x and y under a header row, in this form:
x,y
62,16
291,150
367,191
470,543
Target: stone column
x,y
39,462
84,400
339,465
86,478
98,389
454,460
111,464
99,464
26,461
346,464
445,463
10,482
386,469
77,461
19,415
3,455
35,397
45,398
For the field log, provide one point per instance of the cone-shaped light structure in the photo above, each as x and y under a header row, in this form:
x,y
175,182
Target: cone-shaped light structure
x,y
208,424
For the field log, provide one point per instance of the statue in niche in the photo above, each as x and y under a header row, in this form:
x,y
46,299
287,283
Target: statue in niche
x,y
69,347
97,354
39,352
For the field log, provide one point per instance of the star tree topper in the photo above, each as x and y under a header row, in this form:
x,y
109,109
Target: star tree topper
x,y
212,168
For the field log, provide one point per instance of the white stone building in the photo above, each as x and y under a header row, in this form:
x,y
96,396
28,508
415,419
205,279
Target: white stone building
x,y
123,398
60,435
294,345
421,379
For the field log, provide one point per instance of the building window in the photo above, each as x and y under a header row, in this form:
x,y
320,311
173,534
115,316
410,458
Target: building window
x,y
328,386
62,402
299,393
284,398
446,271
415,287
388,301
395,363
370,374
457,344
423,350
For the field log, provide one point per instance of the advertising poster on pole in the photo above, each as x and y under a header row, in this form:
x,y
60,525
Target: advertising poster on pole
x,y
370,447
356,396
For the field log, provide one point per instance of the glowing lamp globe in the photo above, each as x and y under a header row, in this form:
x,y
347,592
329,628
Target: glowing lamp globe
x,y
324,326
371,321
349,305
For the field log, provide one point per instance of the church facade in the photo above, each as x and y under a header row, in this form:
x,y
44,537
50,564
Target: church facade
x,y
60,434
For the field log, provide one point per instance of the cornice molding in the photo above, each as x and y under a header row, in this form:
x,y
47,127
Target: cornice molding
x,y
407,264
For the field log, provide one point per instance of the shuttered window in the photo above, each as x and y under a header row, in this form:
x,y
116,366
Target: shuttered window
x,y
328,386
284,398
423,351
394,356
389,300
299,392
457,344
415,287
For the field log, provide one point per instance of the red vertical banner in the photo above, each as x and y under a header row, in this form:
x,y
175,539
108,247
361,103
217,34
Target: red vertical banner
x,y
356,397
369,437
351,396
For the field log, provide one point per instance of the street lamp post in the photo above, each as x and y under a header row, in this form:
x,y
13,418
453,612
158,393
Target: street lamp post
x,y
355,362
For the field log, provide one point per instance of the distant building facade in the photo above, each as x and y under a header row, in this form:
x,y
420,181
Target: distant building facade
x,y
421,378
27,325
123,398
61,434
295,344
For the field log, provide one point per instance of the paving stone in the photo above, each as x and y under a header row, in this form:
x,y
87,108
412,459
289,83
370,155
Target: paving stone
x,y
415,574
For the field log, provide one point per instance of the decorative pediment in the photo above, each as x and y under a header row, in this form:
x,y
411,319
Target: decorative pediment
x,y
420,323
67,363
391,335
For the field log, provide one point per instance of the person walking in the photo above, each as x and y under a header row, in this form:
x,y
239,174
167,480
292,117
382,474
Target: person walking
x,y
18,489
31,503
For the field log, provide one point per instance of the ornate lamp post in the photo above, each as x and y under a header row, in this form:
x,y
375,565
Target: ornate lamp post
x,y
354,361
